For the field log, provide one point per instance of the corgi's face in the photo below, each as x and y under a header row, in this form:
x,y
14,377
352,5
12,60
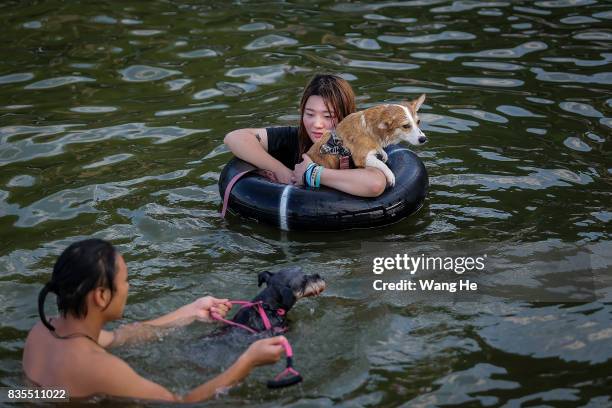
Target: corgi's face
x,y
411,130
401,122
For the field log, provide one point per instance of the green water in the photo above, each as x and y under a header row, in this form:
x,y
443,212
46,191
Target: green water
x,y
112,117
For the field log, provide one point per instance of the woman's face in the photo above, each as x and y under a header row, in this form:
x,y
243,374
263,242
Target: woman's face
x,y
317,119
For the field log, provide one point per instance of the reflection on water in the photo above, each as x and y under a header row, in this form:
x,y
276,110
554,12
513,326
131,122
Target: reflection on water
x,y
112,121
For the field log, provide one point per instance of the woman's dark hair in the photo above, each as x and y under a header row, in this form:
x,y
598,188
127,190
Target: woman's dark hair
x,y
339,100
82,267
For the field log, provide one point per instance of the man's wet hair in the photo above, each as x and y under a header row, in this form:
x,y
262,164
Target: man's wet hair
x,y
82,267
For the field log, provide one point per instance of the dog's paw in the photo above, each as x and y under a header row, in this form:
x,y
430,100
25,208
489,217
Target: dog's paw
x,y
390,179
384,156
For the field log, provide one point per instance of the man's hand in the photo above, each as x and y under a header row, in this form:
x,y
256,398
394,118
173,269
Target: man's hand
x,y
202,308
300,168
265,351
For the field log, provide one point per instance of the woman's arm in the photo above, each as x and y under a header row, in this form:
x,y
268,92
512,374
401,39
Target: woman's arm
x,y
112,376
367,182
251,145
201,309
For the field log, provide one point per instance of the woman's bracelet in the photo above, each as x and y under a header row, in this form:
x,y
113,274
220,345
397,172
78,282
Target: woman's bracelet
x,y
318,178
312,175
308,174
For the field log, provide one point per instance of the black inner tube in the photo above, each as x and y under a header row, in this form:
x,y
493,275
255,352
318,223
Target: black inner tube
x,y
326,209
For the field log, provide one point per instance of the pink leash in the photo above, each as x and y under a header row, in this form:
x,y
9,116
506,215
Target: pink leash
x,y
258,306
228,190
289,376
234,180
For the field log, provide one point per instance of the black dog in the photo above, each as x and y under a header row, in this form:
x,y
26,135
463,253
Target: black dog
x,y
284,288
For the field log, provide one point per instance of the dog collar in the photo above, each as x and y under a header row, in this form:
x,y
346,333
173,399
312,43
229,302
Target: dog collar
x,y
334,146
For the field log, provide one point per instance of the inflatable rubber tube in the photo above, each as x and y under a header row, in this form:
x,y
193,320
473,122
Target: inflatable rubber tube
x,y
301,208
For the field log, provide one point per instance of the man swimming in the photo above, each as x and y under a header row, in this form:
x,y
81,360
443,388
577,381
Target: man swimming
x,y
69,352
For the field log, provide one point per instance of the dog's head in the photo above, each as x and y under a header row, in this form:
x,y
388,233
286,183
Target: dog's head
x,y
399,122
289,285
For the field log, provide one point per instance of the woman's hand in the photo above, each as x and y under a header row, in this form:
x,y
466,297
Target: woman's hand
x,y
300,168
265,351
284,176
202,308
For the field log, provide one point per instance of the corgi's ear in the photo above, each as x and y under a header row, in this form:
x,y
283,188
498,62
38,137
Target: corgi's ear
x,y
264,277
418,102
385,124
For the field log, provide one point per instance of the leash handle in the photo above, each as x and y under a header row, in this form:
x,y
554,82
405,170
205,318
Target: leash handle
x,y
289,376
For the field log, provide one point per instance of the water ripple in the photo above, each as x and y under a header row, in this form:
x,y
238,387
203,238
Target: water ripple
x,y
145,73
59,81
269,41
145,33
494,82
27,149
516,52
207,93
598,78
93,109
14,78
426,39
201,53
607,58
464,5
531,10
116,158
594,36
538,179
23,180
415,90
485,380
578,336
178,84
446,124
564,3
267,74
579,20
255,27
482,115
364,43
70,203
37,131
576,144
517,111
581,109
104,20
500,66
382,65
363,7
183,111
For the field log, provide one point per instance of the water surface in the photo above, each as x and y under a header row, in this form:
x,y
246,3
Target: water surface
x,y
112,117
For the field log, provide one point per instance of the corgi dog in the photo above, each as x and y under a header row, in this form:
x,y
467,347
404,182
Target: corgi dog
x,y
363,135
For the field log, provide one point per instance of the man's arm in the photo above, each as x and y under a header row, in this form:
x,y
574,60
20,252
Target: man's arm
x,y
125,382
201,309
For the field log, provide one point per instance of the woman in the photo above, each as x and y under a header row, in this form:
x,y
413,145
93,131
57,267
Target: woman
x,y
90,281
326,100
